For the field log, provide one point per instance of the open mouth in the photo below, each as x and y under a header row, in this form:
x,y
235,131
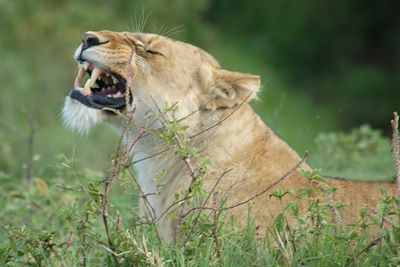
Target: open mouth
x,y
102,89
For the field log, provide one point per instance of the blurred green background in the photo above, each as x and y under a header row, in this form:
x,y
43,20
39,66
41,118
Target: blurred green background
x,y
326,66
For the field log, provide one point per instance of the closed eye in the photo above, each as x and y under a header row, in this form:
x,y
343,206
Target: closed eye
x,y
154,52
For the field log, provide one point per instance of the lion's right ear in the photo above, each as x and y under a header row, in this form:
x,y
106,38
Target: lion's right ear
x,y
229,89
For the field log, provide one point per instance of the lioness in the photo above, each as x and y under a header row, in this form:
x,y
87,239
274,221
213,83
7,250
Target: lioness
x,y
135,73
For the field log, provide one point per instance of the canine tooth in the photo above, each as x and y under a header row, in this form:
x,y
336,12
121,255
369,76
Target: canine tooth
x,y
79,77
95,73
109,95
86,89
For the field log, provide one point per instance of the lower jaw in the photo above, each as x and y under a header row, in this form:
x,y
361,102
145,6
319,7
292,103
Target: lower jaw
x,y
99,102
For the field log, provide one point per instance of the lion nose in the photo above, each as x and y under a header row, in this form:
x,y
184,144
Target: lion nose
x,y
89,40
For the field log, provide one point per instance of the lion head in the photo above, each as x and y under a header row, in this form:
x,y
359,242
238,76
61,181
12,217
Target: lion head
x,y
126,71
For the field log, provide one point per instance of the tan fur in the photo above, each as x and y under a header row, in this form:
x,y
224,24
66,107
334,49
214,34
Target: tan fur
x,y
184,74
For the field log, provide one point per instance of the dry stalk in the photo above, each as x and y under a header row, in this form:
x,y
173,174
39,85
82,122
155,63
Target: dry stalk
x,y
396,149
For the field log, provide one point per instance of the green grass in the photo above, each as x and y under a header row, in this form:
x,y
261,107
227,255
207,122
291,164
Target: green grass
x,y
56,221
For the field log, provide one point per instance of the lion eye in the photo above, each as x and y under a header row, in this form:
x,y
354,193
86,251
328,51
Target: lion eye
x,y
153,52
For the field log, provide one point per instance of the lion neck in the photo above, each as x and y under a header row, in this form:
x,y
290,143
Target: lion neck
x,y
221,135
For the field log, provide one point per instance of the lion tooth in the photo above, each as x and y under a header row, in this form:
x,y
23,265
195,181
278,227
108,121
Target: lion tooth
x,y
78,78
109,95
95,74
115,80
86,89
118,94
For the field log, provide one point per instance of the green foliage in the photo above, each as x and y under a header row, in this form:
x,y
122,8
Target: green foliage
x,y
64,227
361,154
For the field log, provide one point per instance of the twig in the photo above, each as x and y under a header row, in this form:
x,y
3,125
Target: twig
x,y
284,177
192,113
186,159
226,171
374,242
396,148
224,119
173,205
118,164
150,208
151,156
107,189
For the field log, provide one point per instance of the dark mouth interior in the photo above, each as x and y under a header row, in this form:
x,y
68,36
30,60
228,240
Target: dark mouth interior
x,y
108,90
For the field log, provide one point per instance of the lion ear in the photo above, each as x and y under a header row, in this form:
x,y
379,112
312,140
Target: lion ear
x,y
232,88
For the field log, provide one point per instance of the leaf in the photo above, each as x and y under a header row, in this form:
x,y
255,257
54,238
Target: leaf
x,y
280,223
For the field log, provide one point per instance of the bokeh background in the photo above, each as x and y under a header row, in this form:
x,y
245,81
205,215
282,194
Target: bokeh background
x,y
326,66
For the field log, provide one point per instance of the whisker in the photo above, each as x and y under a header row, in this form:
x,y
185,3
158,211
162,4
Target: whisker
x,y
162,28
174,30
